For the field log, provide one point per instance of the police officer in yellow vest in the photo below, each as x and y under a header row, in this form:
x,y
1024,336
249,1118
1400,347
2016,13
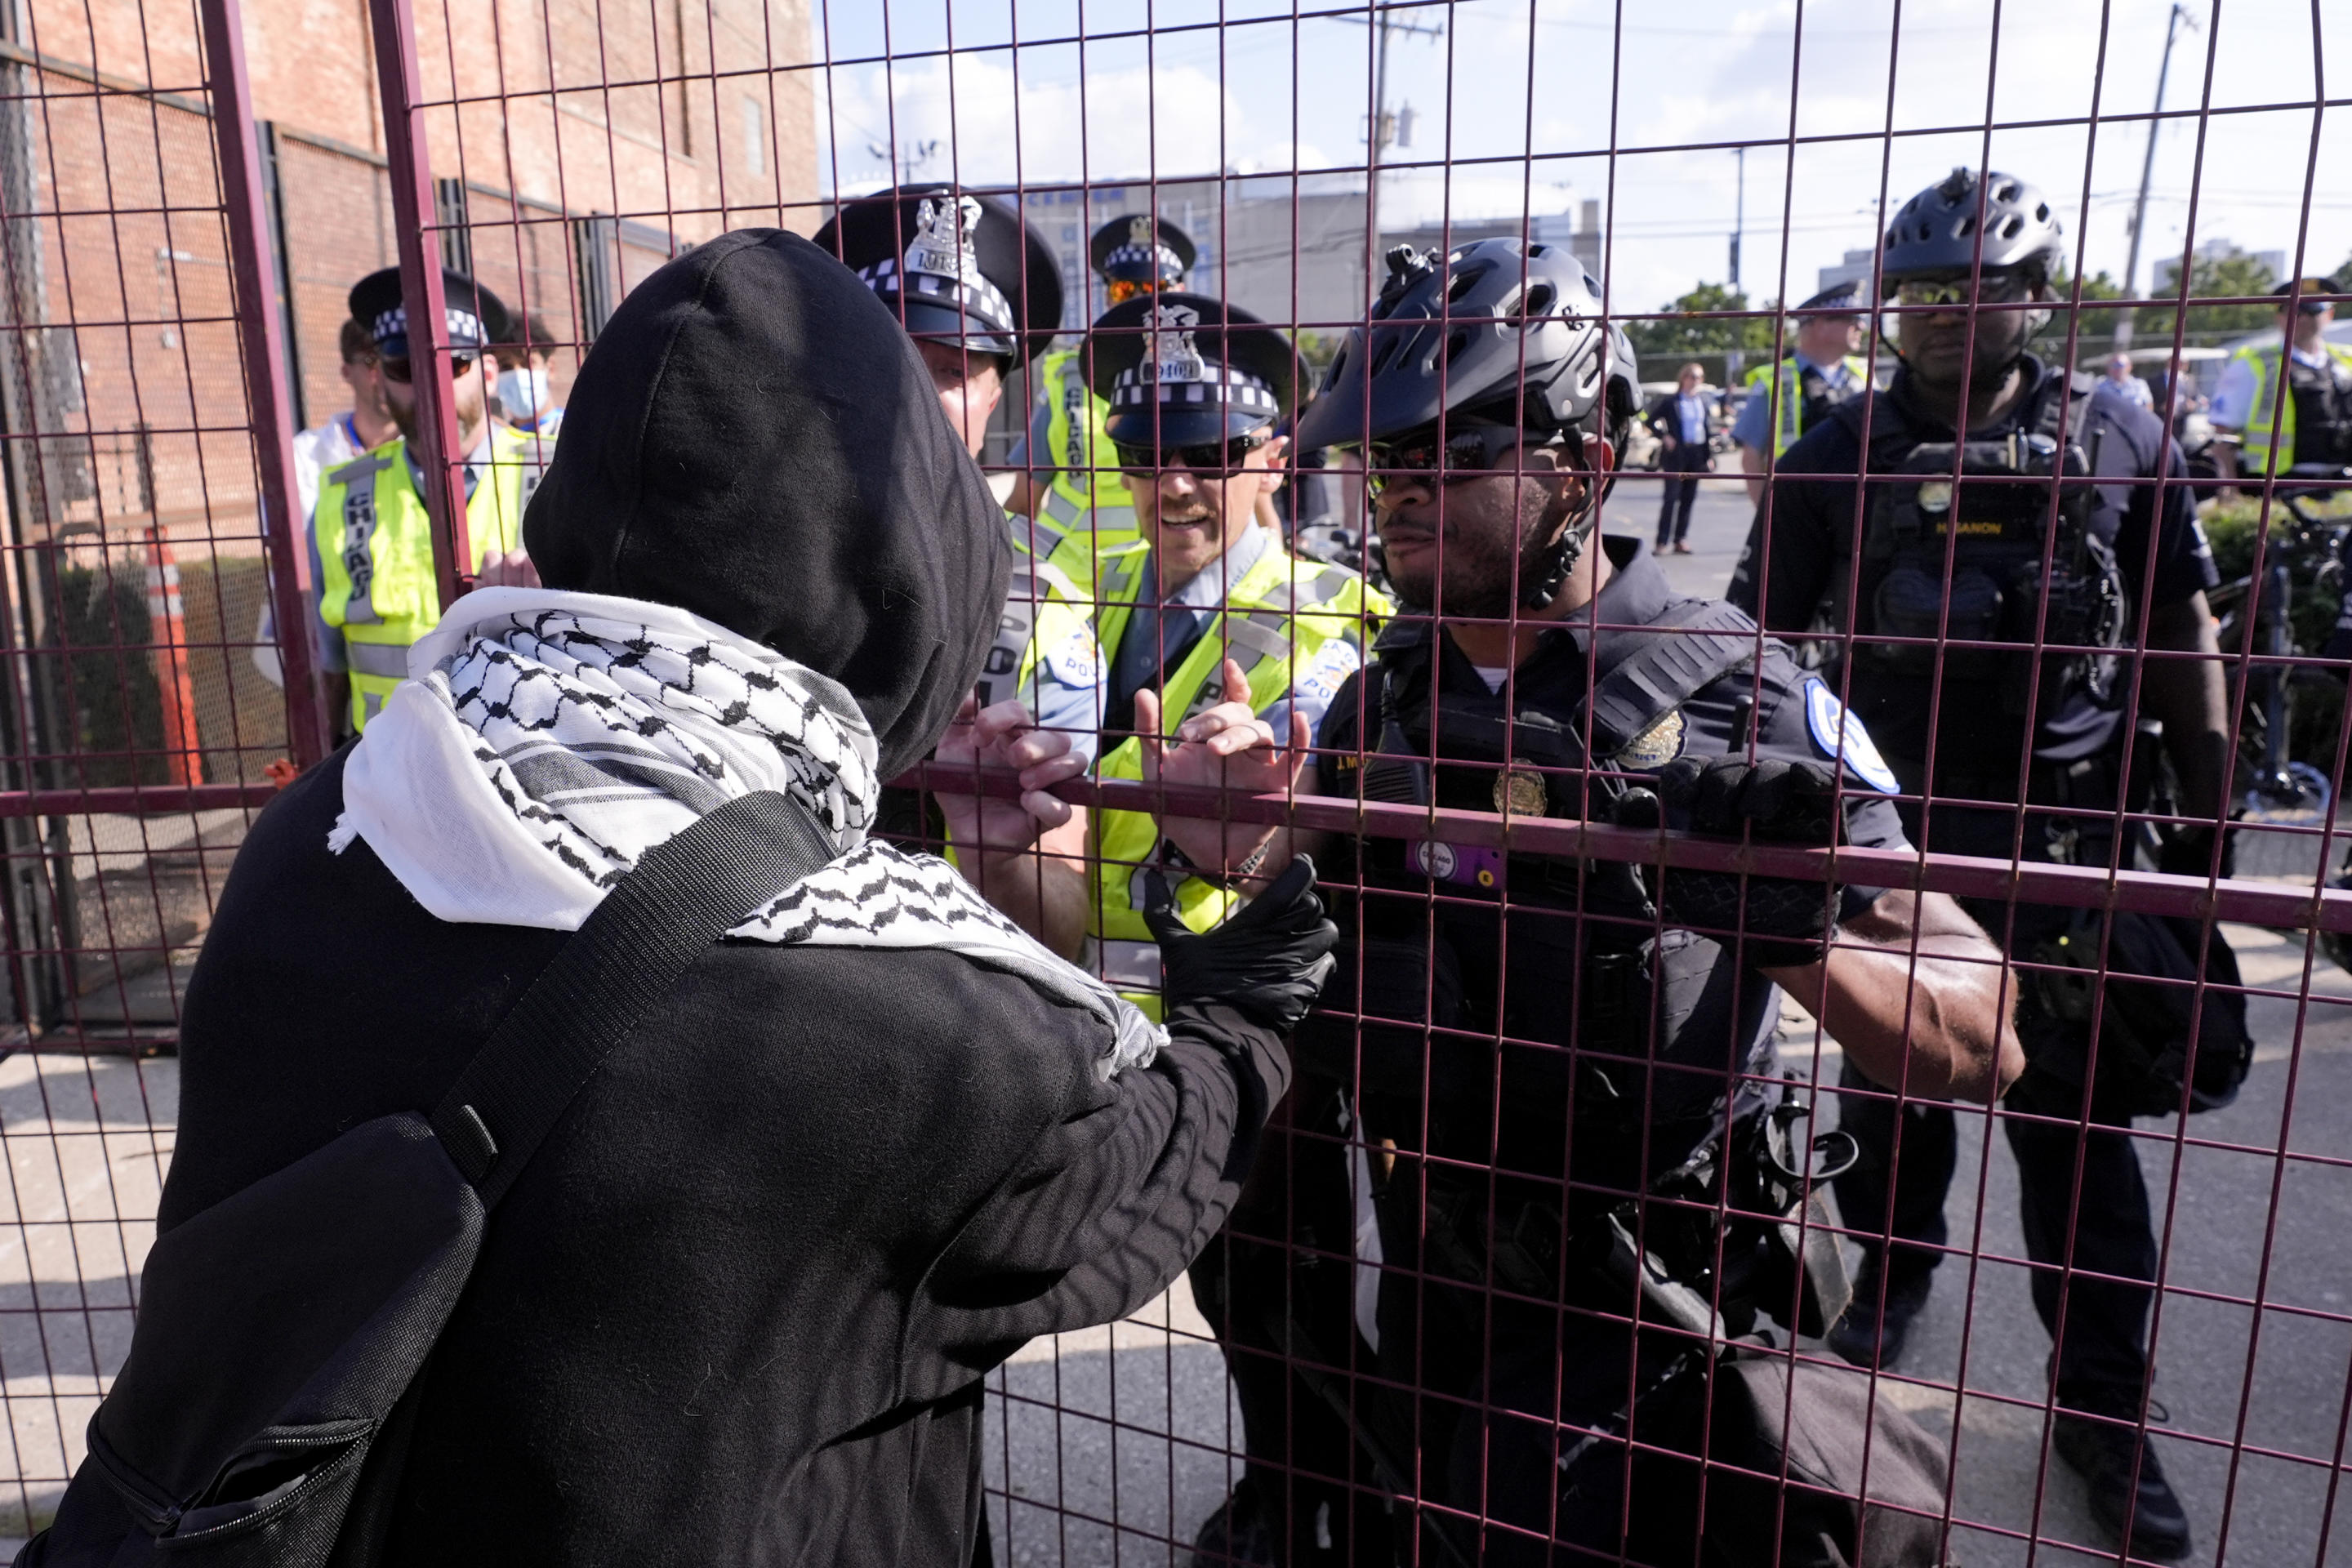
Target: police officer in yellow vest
x,y
1212,608
370,536
1786,397
2313,423
1070,484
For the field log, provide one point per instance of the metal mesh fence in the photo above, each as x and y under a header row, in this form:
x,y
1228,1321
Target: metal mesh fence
x,y
1539,1260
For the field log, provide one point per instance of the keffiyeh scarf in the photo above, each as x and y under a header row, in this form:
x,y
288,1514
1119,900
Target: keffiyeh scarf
x,y
546,740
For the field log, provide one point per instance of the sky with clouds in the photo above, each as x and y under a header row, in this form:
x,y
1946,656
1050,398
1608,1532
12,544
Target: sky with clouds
x,y
1517,105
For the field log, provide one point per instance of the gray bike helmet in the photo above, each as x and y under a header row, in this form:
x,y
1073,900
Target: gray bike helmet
x,y
1937,229
1512,335
1495,333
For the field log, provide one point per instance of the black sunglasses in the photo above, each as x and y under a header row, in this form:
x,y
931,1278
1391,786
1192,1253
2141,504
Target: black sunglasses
x,y
1225,457
400,370
1464,454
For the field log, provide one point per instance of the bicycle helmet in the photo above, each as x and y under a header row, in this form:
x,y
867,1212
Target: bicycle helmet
x,y
1498,332
1516,335
1936,231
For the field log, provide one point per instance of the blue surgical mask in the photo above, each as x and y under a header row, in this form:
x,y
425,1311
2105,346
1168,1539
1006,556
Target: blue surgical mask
x,y
522,390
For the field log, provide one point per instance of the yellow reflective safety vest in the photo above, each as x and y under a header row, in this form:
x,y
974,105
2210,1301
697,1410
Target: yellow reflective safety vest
x,y
374,541
1046,613
1783,382
1292,625
1087,507
2268,439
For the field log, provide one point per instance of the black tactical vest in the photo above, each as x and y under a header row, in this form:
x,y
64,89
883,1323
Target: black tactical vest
x,y
1605,1019
1988,590
2323,412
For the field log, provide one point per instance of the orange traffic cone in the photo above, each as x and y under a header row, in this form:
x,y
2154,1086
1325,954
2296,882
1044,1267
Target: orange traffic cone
x,y
167,629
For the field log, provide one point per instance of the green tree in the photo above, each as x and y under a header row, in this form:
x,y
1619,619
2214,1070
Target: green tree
x,y
2213,277
1691,331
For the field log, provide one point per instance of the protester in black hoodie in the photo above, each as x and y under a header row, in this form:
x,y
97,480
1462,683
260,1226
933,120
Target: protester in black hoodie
x,y
738,1306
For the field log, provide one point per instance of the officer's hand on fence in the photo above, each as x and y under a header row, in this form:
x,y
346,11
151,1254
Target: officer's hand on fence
x,y
1268,962
1001,739
1224,747
512,569
1787,922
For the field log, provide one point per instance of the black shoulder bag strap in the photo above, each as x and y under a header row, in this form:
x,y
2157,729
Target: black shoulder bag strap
x,y
683,895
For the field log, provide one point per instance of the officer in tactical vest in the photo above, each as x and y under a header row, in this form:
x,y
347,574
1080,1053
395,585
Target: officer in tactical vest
x,y
1789,396
2312,424
2046,551
1211,610
371,535
1069,481
1409,1253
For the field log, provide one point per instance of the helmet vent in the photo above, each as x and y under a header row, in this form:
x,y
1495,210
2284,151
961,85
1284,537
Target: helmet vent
x,y
1539,300
1464,282
2013,227
1388,351
1456,342
2041,213
1966,227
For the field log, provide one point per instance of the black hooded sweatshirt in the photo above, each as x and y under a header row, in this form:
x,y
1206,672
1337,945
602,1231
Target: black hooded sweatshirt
x,y
738,1308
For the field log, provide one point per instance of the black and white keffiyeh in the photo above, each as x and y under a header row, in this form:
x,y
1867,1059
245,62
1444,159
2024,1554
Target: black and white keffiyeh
x,y
546,740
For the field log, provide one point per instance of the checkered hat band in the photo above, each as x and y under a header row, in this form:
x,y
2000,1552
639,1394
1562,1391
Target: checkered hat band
x,y
982,299
465,327
1158,258
1235,388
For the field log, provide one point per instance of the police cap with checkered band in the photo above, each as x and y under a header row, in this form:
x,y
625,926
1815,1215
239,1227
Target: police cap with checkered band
x,y
1179,369
958,268
476,316
1140,248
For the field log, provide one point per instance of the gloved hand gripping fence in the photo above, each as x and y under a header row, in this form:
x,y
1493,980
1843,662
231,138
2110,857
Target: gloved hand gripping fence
x,y
1775,800
1269,962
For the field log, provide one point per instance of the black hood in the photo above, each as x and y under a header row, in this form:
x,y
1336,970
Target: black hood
x,y
754,440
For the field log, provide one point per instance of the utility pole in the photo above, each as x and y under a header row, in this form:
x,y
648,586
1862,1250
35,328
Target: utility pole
x,y
1734,359
1738,214
1380,128
2147,175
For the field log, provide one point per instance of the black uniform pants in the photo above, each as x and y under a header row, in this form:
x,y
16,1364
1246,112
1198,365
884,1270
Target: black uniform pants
x,y
1906,1159
2102,1354
1275,1285
1677,495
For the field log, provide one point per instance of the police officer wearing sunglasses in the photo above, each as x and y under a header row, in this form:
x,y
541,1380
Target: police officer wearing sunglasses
x,y
371,535
1534,1081
1070,483
2045,551
1208,608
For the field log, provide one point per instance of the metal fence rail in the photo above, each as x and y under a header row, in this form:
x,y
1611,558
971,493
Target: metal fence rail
x,y
187,196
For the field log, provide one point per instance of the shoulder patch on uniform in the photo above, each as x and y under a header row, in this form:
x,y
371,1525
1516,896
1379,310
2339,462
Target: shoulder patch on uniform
x,y
1833,728
1076,661
1328,670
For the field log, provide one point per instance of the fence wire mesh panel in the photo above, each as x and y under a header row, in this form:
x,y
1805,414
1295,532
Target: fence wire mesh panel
x,y
1785,563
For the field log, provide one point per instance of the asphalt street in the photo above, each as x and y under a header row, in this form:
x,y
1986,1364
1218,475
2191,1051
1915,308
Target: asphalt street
x,y
1108,1447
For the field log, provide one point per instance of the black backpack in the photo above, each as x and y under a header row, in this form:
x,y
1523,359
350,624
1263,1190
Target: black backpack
x,y
262,1415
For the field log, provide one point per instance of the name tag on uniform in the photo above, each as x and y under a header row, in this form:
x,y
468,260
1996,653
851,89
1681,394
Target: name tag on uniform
x,y
1470,865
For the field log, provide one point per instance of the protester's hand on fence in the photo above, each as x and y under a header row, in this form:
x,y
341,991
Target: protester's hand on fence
x,y
1268,962
1004,737
1776,799
1228,747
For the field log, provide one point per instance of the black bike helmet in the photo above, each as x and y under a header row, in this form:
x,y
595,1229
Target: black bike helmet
x,y
1497,332
1514,332
1936,232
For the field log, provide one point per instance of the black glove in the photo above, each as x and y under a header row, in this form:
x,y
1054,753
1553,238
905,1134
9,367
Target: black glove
x,y
2189,852
1773,799
1268,962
